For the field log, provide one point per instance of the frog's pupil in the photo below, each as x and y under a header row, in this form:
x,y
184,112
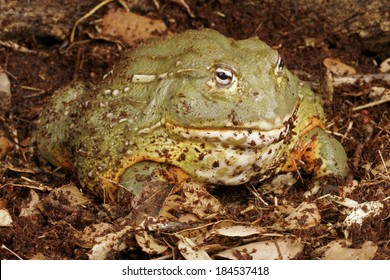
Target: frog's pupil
x,y
223,76
281,64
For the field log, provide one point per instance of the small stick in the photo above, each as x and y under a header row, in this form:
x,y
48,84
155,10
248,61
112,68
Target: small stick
x,y
383,161
12,252
91,12
371,104
352,79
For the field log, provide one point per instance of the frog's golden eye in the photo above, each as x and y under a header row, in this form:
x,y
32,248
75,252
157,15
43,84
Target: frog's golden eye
x,y
224,77
279,66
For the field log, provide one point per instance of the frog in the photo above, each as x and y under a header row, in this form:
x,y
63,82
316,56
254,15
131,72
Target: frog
x,y
222,111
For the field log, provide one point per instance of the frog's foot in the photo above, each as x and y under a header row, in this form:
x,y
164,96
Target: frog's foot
x,y
318,153
325,185
151,183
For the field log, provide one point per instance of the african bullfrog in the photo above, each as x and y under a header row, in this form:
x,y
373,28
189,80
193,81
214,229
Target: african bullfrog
x,y
222,111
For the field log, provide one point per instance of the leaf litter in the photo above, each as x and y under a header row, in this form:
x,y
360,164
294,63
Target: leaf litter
x,y
194,221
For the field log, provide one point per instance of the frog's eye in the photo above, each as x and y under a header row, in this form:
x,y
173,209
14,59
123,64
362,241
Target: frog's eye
x,y
224,77
279,66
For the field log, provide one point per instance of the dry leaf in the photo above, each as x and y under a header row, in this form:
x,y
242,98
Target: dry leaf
x,y
5,144
199,234
310,41
213,235
86,238
150,200
104,238
109,242
363,211
5,218
338,250
72,195
38,256
280,184
379,93
207,232
5,91
239,231
191,197
131,27
385,66
347,189
344,201
190,250
305,216
278,249
148,243
338,68
32,207
200,201
381,168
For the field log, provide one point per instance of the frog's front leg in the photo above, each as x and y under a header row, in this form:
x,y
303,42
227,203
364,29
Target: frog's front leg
x,y
150,182
326,157
319,153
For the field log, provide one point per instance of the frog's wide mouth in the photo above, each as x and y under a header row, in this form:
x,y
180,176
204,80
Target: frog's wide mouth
x,y
236,136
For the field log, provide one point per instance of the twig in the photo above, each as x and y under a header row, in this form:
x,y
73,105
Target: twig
x,y
371,104
169,256
185,6
252,189
352,79
349,128
91,12
16,47
383,161
12,252
40,188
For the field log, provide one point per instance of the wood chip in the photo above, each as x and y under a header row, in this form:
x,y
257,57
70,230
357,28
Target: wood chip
x,y
5,145
5,218
337,67
5,91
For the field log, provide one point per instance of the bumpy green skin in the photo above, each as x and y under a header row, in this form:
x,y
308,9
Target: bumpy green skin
x,y
164,102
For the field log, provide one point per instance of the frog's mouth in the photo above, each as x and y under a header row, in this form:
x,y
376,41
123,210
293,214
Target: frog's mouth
x,y
235,136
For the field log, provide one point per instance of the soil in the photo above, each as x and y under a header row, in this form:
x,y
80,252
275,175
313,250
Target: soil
x,y
37,74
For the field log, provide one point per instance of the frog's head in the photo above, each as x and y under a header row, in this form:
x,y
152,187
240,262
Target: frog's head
x,y
224,86
227,104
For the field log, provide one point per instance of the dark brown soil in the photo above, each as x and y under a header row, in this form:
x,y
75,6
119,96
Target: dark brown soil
x,y
35,76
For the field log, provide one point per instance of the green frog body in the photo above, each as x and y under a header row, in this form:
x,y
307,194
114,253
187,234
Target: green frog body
x,y
223,111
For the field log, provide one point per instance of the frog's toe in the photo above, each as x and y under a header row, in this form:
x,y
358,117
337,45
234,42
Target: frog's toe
x,y
325,185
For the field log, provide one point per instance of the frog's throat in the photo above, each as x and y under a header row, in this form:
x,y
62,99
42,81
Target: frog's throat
x,y
239,137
